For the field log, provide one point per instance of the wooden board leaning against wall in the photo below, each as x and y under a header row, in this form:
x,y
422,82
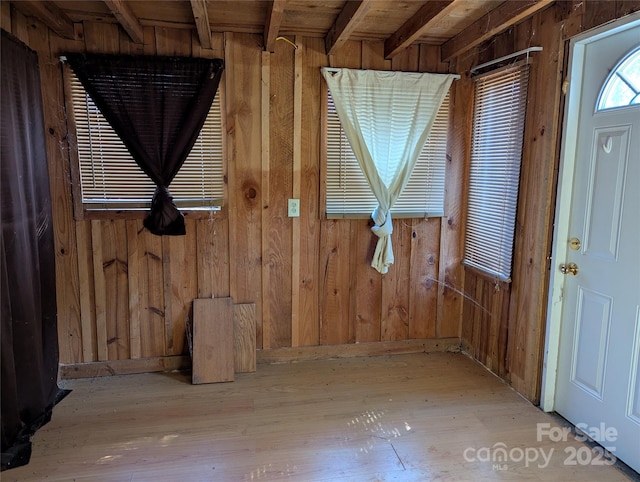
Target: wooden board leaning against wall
x,y
123,294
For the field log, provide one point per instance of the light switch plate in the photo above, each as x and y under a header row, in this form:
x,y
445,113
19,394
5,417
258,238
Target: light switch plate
x,y
294,208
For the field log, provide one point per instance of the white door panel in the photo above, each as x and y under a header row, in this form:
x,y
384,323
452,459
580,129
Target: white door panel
x,y
634,385
604,198
590,341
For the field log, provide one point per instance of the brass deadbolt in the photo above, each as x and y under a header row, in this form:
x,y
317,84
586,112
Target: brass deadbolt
x,y
574,243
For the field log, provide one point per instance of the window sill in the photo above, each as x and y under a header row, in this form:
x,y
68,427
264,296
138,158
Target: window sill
x,y
334,216
484,275
109,214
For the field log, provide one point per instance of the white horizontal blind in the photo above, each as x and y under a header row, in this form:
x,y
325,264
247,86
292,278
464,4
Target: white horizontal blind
x,y
496,153
348,193
111,179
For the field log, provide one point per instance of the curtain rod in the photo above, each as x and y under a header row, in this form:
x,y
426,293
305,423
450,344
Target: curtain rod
x,y
506,57
336,69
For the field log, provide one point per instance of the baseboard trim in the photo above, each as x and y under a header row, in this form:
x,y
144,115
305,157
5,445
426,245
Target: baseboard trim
x,y
68,371
323,352
123,367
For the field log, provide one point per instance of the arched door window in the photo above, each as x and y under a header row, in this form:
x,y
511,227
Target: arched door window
x,y
622,87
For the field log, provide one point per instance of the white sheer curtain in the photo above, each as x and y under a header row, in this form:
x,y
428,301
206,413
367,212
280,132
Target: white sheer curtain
x,y
387,117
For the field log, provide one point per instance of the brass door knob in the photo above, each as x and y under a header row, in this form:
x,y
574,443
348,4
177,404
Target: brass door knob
x,y
570,268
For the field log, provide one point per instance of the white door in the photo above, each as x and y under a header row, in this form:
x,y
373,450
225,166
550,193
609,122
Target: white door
x,y
598,372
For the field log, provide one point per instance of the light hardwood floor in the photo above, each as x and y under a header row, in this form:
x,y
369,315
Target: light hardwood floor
x,y
413,417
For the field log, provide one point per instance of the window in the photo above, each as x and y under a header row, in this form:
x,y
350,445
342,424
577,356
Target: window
x,y
111,179
622,87
496,153
349,195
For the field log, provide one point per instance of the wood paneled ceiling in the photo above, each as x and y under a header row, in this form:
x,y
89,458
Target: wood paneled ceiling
x,y
455,25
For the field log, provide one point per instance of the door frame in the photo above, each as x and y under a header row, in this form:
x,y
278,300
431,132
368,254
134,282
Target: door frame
x,y
568,162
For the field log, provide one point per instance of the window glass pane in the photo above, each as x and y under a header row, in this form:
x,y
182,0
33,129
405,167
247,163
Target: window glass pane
x,y
622,87
348,193
110,178
494,173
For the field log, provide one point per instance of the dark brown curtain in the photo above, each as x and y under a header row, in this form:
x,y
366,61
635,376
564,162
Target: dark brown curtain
x,y
157,105
27,271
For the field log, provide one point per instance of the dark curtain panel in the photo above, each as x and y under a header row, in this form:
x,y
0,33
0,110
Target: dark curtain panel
x,y
29,335
157,105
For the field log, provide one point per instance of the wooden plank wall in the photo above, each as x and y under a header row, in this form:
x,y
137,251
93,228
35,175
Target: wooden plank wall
x,y
124,294
503,325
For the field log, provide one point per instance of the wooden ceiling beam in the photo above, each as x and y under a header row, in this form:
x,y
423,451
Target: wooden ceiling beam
x,y
201,17
348,19
49,14
275,15
413,28
497,20
125,17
